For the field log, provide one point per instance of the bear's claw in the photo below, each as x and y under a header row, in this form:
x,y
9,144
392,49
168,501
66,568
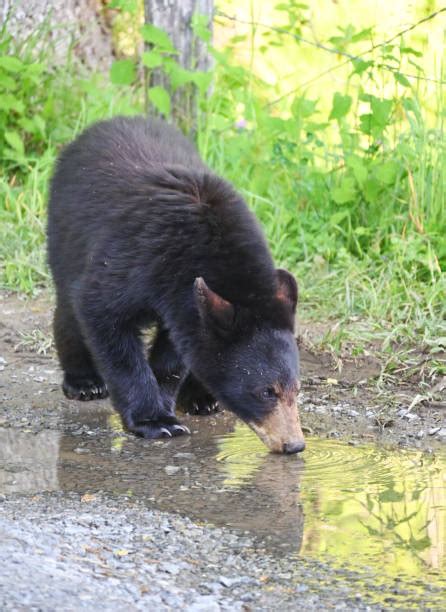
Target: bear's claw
x,y
158,429
84,389
203,405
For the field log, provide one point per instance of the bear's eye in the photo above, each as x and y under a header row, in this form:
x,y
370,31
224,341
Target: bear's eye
x,y
269,393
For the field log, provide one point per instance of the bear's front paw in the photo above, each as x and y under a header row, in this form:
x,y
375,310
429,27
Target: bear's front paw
x,y
84,388
159,428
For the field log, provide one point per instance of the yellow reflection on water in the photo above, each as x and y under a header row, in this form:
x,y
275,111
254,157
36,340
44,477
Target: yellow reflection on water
x,y
362,505
115,424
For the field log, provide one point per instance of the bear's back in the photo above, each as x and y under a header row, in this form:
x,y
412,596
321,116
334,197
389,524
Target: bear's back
x,y
131,181
129,141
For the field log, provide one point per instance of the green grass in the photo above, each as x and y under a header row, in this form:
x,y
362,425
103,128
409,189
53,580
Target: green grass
x,y
355,206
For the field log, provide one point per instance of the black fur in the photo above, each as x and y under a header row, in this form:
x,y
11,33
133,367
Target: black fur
x,y
136,222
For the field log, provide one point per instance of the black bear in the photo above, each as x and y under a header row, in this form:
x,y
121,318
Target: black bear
x,y
141,232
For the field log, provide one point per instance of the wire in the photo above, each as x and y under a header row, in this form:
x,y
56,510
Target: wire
x,y
350,57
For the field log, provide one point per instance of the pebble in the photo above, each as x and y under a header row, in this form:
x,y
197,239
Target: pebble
x,y
433,431
351,413
170,568
172,469
406,414
205,603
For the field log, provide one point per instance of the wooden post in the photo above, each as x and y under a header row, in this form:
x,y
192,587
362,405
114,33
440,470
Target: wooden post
x,y
175,18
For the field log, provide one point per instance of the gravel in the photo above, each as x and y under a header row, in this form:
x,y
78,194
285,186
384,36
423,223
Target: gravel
x,y
58,552
70,552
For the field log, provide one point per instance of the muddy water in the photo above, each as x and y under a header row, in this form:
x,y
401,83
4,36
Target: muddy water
x,y
356,506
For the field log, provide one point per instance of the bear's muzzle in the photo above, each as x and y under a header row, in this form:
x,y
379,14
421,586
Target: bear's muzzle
x,y
280,429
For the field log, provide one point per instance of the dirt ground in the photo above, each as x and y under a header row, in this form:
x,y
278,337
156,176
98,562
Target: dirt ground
x,y
342,398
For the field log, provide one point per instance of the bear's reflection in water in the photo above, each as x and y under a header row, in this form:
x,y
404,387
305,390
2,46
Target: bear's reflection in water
x,y
221,474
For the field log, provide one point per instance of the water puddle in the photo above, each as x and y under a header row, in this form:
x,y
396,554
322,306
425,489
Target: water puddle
x,y
357,506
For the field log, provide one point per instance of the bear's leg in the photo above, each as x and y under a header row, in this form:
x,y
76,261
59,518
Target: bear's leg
x,y
168,368
195,399
116,347
81,380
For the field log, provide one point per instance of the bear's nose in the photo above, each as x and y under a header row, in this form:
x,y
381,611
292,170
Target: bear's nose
x,y
293,447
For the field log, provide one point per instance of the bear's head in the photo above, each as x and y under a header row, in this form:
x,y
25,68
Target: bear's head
x,y
249,360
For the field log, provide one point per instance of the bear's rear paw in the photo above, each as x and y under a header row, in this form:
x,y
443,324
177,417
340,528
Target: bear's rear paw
x,y
161,428
84,388
201,404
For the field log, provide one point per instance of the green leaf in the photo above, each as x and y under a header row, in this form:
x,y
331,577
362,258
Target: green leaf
x,y
11,64
152,59
341,106
123,72
200,27
371,189
358,167
13,139
366,123
180,76
239,38
401,79
365,34
160,99
7,82
361,65
386,172
9,102
346,192
362,231
411,51
420,544
202,80
416,494
40,124
303,107
339,216
128,6
390,495
157,37
27,125
381,110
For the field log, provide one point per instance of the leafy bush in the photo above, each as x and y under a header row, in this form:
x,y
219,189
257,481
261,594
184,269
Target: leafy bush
x,y
43,104
351,192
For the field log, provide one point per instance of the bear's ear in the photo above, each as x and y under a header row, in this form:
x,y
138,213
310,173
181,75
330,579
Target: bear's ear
x,y
287,291
213,309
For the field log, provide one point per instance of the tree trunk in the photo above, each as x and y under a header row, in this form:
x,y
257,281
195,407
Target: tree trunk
x,y
175,18
68,24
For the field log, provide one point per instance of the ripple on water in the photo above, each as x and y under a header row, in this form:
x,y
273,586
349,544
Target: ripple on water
x,y
358,505
325,462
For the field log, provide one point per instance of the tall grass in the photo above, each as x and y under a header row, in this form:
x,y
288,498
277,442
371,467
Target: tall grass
x,y
352,198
